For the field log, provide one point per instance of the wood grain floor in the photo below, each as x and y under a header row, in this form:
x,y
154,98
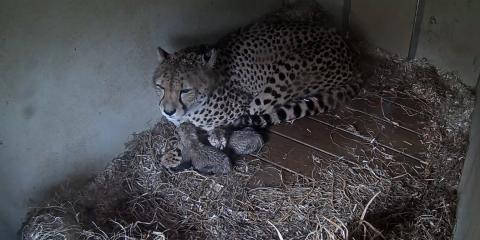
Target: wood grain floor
x,y
384,129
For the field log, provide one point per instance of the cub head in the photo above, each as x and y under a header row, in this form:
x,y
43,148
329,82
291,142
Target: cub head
x,y
184,80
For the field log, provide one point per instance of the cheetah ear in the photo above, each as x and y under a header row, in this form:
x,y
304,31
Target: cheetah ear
x,y
210,58
162,55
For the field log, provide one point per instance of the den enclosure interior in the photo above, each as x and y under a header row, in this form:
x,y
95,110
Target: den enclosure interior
x,y
386,166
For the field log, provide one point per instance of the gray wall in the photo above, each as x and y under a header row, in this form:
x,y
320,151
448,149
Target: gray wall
x,y
384,23
450,37
75,82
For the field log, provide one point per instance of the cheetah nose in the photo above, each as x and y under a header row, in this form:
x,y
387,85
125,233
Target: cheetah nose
x,y
169,113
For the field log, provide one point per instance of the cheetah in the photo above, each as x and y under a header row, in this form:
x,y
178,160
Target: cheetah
x,y
263,74
204,158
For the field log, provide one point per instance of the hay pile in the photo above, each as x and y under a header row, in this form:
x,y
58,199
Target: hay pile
x,y
135,198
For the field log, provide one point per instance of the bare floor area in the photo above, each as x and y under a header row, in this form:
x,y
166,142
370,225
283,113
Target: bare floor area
x,y
384,130
386,166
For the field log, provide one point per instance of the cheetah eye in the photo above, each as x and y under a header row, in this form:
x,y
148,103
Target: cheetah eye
x,y
158,86
184,91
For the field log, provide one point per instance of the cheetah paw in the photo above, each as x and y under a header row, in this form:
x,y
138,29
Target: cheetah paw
x,y
173,160
218,138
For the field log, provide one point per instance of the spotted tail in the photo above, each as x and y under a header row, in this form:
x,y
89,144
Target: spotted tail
x,y
308,106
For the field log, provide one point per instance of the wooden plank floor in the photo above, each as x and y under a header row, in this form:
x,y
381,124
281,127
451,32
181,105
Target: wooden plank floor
x,y
383,129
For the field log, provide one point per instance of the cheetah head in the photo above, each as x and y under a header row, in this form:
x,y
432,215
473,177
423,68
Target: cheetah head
x,y
184,80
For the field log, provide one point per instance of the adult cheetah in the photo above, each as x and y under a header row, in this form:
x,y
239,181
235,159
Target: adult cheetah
x,y
266,73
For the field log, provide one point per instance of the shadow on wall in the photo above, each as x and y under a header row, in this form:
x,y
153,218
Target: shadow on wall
x,y
180,41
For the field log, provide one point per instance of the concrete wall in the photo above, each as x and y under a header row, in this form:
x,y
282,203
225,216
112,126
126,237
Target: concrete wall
x,y
450,37
384,23
75,82
336,10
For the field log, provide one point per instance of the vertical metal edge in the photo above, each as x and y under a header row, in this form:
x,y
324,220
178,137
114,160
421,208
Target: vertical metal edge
x,y
416,28
467,218
476,88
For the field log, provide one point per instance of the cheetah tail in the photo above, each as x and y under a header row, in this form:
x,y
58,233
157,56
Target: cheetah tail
x,y
309,106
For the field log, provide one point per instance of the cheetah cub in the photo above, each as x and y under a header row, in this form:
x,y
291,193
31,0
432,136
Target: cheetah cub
x,y
269,72
203,158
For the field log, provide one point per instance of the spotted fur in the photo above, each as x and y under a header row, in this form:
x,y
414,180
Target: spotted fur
x,y
265,73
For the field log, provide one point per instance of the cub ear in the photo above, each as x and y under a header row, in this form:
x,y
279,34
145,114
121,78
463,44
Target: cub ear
x,y
210,58
162,55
